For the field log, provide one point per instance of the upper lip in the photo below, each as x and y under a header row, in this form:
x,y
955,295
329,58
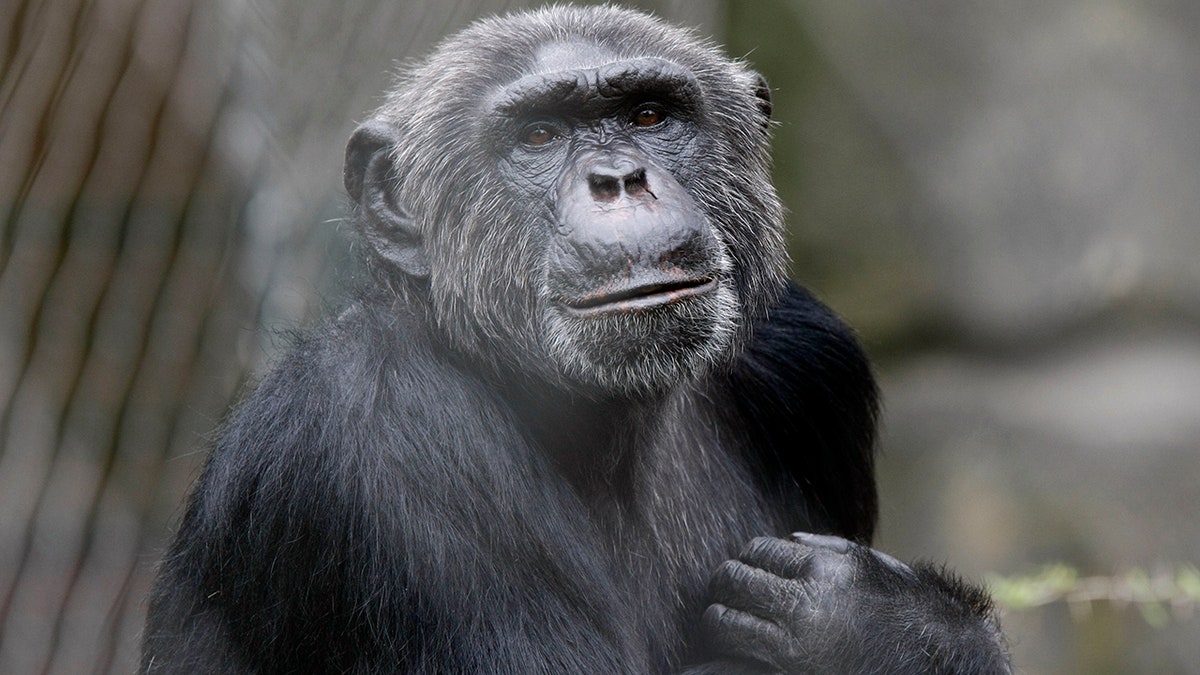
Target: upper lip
x,y
640,295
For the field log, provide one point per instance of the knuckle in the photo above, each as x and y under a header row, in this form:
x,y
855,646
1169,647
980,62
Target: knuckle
x,y
739,573
758,546
831,568
726,580
717,616
727,570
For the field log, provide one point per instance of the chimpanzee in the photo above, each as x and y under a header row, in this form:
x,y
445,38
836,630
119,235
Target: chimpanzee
x,y
569,421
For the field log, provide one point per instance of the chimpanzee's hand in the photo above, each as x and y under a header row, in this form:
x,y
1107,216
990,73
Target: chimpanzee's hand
x,y
820,603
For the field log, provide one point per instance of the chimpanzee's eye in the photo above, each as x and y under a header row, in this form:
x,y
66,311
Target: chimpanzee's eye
x,y
539,133
647,116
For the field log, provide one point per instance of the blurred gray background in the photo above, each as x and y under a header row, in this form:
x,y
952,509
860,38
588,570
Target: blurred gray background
x,y
1001,196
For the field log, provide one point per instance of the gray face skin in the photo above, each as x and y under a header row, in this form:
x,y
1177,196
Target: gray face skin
x,y
637,278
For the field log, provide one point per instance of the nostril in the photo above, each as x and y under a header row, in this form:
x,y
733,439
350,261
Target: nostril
x,y
635,183
610,181
604,187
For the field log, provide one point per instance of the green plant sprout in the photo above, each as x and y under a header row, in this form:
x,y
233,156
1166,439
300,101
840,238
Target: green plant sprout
x,y
1157,595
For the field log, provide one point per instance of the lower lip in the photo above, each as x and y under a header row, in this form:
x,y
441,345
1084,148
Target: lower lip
x,y
643,302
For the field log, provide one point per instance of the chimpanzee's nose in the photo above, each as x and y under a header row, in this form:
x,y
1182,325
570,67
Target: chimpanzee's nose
x,y
607,183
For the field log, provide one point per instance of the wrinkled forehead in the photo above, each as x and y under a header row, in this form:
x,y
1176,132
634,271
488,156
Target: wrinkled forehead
x,y
571,54
578,71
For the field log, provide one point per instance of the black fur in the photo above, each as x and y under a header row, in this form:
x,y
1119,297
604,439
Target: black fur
x,y
452,477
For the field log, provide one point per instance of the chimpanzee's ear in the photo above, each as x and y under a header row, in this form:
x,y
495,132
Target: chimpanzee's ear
x,y
762,91
370,180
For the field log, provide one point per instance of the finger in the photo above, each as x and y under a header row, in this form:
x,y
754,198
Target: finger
x,y
754,590
779,556
825,541
845,546
733,632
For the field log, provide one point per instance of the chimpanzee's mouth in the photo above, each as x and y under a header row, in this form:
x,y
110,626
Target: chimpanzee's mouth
x,y
639,297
